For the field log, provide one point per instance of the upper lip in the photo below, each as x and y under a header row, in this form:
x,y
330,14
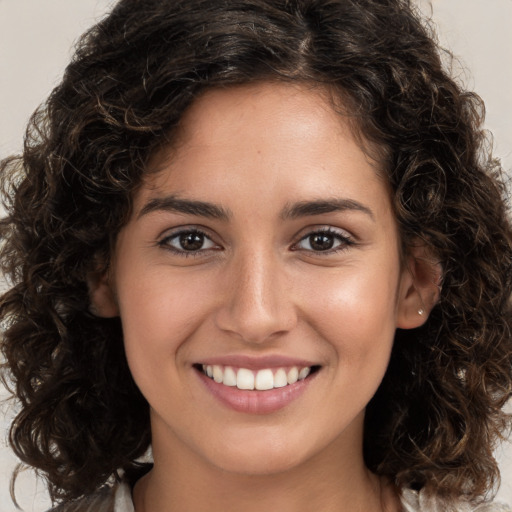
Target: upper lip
x,y
257,363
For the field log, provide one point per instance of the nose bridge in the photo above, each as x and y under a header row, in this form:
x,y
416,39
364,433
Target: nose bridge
x,y
258,304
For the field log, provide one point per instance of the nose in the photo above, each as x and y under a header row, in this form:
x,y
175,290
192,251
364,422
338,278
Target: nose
x,y
257,303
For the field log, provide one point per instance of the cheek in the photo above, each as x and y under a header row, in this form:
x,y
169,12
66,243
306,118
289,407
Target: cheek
x,y
354,309
159,313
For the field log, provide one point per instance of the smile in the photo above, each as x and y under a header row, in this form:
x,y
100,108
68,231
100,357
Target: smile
x,y
261,380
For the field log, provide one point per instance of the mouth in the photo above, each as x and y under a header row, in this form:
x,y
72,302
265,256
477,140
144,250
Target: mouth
x,y
264,379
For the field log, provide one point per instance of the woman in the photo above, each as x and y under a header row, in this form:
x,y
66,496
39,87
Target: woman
x,y
262,237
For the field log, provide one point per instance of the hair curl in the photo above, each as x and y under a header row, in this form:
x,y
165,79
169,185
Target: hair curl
x,y
435,418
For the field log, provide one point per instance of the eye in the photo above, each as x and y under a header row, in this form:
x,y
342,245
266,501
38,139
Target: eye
x,y
324,240
189,241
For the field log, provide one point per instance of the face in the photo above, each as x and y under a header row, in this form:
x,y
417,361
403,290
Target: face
x,y
262,252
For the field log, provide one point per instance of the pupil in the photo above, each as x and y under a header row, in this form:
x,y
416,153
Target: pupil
x,y
321,242
191,241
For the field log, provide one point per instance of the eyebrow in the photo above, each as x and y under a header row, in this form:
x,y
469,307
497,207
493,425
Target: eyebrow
x,y
213,211
187,206
321,206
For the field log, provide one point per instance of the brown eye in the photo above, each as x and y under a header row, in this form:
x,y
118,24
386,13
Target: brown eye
x,y
321,241
188,242
191,241
326,241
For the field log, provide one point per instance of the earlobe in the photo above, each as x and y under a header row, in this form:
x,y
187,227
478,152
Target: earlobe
x,y
102,297
420,287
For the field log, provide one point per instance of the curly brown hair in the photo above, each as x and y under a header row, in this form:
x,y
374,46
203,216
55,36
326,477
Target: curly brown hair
x,y
438,412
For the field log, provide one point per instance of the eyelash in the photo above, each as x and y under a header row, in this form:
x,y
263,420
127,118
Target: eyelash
x,y
344,242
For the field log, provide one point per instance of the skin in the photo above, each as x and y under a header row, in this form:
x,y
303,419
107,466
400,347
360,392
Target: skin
x,y
256,287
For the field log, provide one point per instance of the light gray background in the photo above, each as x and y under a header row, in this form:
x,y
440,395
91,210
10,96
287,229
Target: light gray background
x,y
36,37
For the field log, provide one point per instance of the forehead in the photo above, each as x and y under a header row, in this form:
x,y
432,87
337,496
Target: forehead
x,y
267,137
252,106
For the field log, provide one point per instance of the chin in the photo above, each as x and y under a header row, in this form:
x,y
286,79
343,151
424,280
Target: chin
x,y
260,452
260,463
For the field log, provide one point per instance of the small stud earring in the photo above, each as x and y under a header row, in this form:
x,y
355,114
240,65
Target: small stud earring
x,y
421,311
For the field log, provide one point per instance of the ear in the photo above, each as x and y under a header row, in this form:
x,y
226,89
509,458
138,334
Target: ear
x,y
420,287
102,296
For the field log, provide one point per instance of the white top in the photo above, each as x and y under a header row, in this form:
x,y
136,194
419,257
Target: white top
x,y
123,501
119,499
412,501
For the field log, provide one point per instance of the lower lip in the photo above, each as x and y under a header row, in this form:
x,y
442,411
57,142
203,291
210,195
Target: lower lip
x,y
254,401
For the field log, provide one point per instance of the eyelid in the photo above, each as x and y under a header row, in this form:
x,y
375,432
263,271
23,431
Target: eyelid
x,y
184,228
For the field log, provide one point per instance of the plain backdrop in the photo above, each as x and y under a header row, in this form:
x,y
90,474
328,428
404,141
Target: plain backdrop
x,y
36,39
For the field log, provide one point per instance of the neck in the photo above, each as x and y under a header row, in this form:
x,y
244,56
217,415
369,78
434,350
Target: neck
x,y
334,480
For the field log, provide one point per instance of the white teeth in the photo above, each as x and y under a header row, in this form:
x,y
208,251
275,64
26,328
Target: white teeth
x,y
293,375
218,374
229,377
304,372
280,380
244,379
261,380
264,380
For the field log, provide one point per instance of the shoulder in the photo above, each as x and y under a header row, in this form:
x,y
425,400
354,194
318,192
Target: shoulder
x,y
107,499
414,501
100,501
